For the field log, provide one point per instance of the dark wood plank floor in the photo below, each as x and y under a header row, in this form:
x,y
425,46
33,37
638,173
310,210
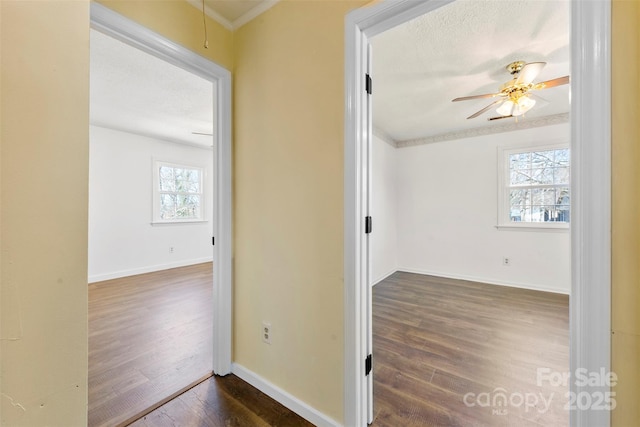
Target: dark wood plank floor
x,y
436,340
222,402
149,336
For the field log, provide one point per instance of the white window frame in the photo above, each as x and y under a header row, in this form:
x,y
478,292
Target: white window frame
x,y
504,221
157,164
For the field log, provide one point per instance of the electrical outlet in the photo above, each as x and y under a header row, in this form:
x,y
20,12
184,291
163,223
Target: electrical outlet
x,y
171,249
266,332
506,261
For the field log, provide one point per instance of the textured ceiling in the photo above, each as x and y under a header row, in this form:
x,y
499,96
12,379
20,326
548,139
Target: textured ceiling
x,y
462,49
136,92
458,50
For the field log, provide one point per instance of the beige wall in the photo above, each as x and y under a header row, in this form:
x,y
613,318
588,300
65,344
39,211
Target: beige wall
x,y
44,174
45,99
288,190
626,211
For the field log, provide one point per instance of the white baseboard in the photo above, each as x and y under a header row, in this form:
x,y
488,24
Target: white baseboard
x,y
484,280
148,269
286,399
384,276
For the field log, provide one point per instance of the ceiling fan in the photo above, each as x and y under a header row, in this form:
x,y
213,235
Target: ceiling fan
x,y
515,96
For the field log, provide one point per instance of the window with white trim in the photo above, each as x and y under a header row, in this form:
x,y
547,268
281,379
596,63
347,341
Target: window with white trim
x,y
535,186
178,193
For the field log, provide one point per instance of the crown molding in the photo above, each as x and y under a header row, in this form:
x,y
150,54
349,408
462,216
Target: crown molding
x,y
489,130
212,14
234,25
385,137
258,10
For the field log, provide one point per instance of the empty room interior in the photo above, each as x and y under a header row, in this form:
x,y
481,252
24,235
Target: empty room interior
x,y
470,251
150,225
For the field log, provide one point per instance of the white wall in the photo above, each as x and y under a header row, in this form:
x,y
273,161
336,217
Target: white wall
x,y
447,212
384,242
122,240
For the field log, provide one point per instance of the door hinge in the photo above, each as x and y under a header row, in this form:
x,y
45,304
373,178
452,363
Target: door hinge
x,y
368,84
213,240
368,364
368,224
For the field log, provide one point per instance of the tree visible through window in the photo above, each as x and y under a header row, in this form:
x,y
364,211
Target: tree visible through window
x,y
179,193
537,185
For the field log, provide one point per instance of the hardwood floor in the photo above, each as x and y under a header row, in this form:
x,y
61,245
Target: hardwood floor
x,y
443,351
222,402
149,336
438,340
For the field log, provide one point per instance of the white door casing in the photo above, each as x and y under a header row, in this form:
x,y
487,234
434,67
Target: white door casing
x,y
590,303
117,26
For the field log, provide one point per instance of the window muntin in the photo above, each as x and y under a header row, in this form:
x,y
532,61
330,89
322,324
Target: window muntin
x,y
179,193
536,186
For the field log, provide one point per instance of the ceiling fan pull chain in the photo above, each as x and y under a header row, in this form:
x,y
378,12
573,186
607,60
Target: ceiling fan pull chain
x,y
204,21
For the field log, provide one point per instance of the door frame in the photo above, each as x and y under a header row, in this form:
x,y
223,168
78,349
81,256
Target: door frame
x,y
590,301
117,26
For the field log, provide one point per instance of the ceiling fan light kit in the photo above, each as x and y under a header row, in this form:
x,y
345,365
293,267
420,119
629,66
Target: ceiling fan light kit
x,y
514,95
516,106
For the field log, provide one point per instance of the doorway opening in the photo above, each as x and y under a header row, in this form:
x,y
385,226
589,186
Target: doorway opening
x,y
590,236
448,321
160,219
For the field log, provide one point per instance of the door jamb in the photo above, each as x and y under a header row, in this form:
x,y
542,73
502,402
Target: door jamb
x,y
590,302
115,25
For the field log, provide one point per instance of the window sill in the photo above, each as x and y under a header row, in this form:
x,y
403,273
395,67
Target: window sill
x,y
544,227
181,222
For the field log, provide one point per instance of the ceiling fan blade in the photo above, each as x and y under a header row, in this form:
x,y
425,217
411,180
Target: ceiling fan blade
x,y
500,117
529,72
466,98
484,109
552,83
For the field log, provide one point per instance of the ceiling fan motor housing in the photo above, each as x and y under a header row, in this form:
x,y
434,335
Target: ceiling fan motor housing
x,y
513,91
